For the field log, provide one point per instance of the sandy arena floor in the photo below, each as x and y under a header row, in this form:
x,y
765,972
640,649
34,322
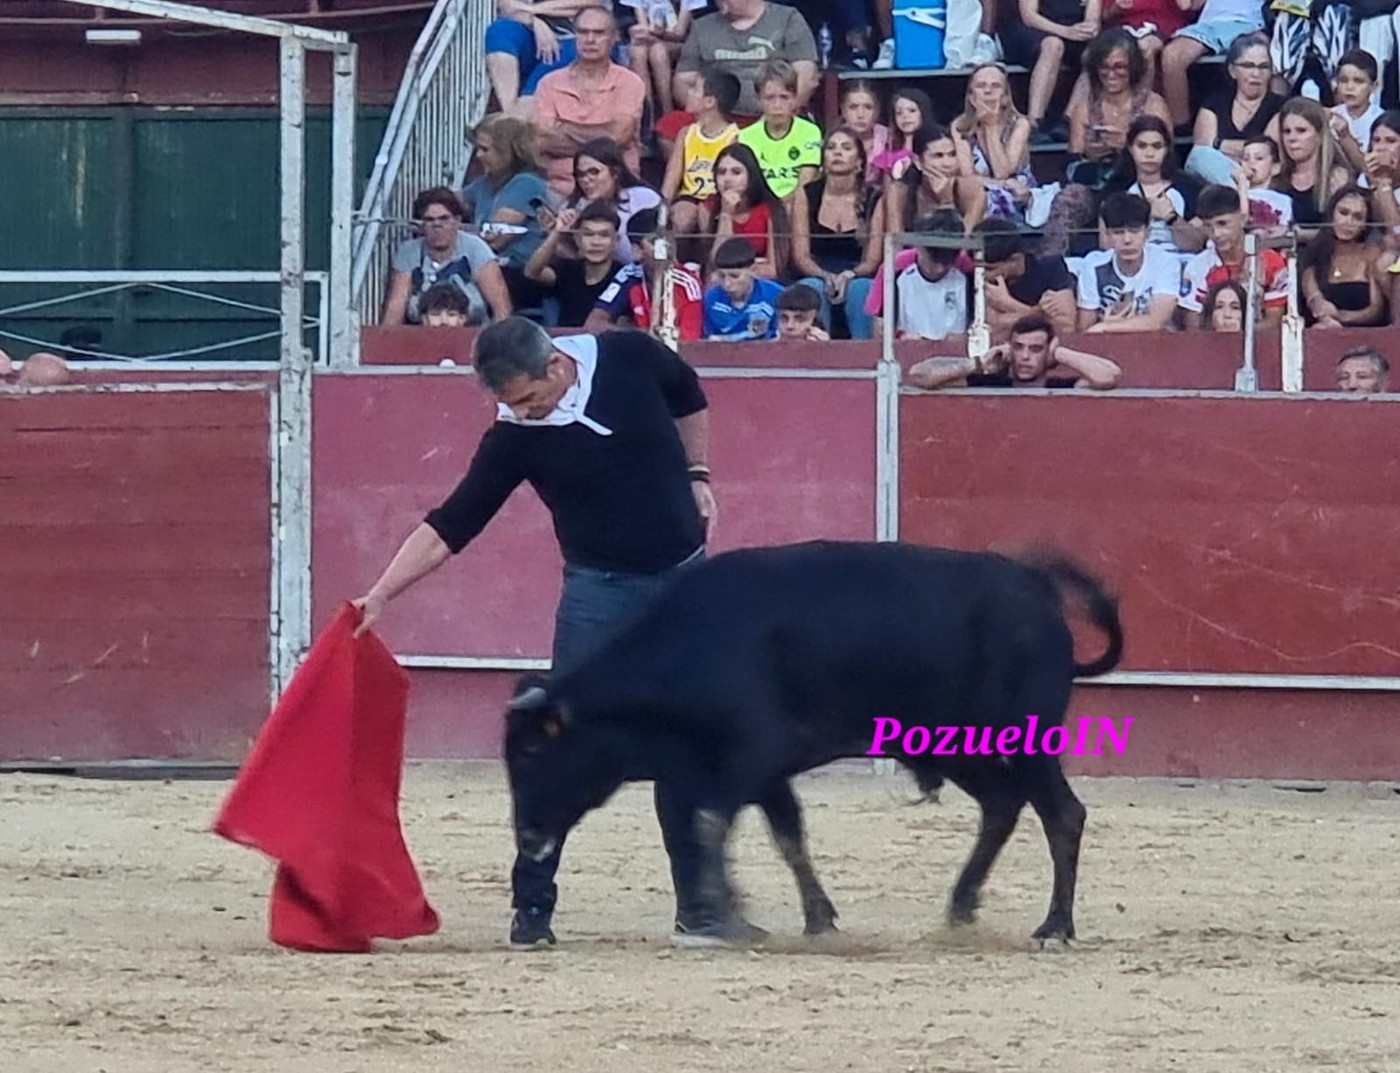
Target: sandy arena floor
x,y
1227,929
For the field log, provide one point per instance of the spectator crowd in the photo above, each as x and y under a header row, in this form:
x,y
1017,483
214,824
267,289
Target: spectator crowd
x,y
678,144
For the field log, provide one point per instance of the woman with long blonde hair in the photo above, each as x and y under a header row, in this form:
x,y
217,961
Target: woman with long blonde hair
x,y
1312,168
993,140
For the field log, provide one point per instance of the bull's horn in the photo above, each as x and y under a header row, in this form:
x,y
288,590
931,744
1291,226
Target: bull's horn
x,y
532,698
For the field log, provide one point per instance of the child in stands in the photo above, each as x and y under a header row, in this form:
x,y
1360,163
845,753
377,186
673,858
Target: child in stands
x,y
689,185
740,306
788,147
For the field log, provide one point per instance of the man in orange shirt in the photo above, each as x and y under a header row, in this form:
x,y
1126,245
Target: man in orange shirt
x,y
590,98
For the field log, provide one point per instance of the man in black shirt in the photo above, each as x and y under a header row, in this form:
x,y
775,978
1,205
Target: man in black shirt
x,y
576,283
1019,284
1026,361
612,433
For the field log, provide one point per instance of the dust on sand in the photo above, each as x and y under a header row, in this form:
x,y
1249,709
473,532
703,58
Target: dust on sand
x,y
1222,928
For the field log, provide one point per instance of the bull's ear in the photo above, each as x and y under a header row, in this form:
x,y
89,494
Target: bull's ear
x,y
531,700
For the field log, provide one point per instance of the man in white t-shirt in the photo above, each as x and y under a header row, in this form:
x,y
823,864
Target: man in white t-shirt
x,y
931,296
1132,286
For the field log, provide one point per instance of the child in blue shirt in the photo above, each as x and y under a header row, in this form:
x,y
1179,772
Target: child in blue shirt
x,y
740,305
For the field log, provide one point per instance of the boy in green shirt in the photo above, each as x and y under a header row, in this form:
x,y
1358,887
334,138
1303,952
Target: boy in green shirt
x,y
788,147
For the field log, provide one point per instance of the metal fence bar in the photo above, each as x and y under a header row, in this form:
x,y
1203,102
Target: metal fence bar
x,y
443,93
324,40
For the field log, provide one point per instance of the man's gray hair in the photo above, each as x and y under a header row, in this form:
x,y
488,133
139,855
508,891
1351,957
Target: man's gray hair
x,y
1376,358
508,349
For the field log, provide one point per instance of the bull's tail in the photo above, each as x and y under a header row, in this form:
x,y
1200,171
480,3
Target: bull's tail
x,y
1101,605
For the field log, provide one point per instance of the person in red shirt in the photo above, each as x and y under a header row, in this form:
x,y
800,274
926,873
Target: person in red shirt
x,y
1219,208
628,297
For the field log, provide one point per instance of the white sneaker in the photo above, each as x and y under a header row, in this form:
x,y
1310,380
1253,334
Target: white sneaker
x,y
885,60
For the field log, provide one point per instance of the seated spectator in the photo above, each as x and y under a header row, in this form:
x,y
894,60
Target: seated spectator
x,y
740,306
798,308
1383,168
744,206
1215,30
1270,210
503,203
1363,370
1308,38
837,241
444,306
1356,110
912,111
1151,22
741,38
1224,260
602,177
522,47
1341,280
1028,360
860,112
1132,286
934,183
689,185
1043,35
1234,115
655,40
788,147
993,141
575,285
1224,307
590,99
1148,169
932,298
1311,170
628,298
444,254
1019,284
1117,94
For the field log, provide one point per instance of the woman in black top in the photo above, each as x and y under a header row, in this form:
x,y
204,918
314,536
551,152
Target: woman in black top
x,y
1340,282
836,231
1312,169
1231,117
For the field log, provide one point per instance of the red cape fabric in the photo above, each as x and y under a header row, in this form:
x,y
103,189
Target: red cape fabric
x,y
319,792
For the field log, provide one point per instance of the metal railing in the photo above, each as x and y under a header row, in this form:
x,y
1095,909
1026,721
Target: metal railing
x,y
108,288
444,92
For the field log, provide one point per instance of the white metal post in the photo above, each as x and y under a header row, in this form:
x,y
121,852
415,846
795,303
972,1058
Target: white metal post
x,y
1247,375
1292,354
344,324
293,624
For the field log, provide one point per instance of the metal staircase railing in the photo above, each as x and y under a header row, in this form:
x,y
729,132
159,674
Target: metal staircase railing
x,y
444,92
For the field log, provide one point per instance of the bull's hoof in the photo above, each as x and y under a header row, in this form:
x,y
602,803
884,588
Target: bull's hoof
x,y
1053,944
1054,935
962,912
819,927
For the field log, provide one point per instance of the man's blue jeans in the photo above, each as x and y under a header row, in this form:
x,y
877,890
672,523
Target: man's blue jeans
x,y
594,606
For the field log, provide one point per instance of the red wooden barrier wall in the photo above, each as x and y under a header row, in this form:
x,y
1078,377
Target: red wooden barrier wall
x,y
1243,535
135,571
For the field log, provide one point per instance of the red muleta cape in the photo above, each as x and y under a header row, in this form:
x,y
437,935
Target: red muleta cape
x,y
319,792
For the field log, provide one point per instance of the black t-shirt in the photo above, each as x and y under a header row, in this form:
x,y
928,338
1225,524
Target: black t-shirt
x,y
620,501
1043,274
1003,379
576,295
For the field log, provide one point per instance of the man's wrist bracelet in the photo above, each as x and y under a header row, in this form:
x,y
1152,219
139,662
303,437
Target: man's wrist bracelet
x,y
700,473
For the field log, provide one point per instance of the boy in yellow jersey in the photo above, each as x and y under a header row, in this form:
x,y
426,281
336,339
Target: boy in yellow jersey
x,y
788,147
689,184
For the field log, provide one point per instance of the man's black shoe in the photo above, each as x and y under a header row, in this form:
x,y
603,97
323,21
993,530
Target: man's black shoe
x,y
531,928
